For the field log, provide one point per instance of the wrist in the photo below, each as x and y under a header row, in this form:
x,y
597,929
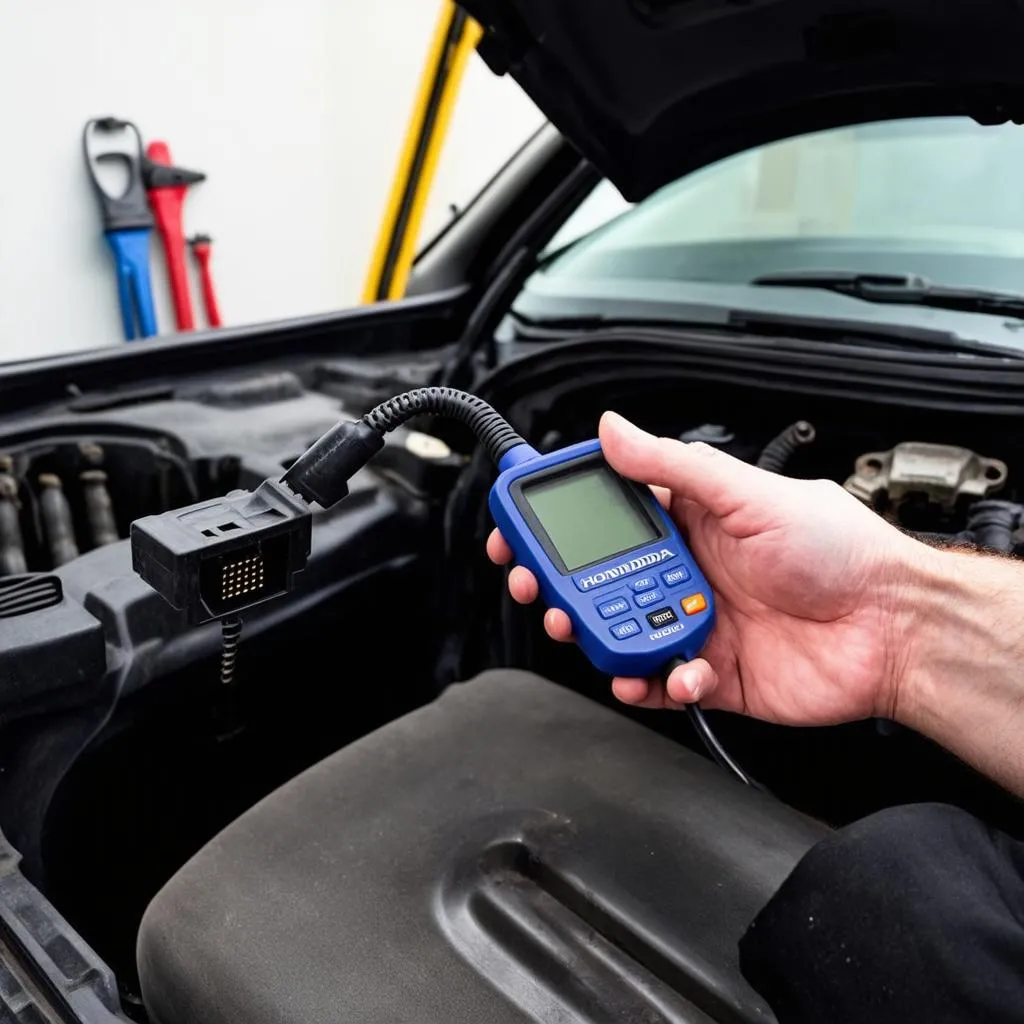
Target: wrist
x,y
958,632
913,585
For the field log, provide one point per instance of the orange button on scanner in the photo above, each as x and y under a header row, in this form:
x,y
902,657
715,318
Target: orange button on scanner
x,y
694,603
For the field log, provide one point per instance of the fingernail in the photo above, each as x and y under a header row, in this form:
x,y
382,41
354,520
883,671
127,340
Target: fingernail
x,y
620,423
691,681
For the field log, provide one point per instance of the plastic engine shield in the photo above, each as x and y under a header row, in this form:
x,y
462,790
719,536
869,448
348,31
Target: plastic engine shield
x,y
511,852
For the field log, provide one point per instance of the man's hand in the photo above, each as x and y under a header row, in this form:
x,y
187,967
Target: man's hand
x,y
807,584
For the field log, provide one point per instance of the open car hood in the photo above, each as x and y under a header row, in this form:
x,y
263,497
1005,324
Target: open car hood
x,y
650,89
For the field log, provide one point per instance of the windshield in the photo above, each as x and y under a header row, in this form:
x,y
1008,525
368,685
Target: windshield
x,y
940,198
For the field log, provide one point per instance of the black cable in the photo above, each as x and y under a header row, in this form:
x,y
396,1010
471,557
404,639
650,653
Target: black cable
x,y
491,428
714,746
323,472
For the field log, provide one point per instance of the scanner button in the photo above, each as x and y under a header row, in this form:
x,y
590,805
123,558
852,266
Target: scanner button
x,y
662,617
694,603
624,630
674,577
609,609
644,583
647,598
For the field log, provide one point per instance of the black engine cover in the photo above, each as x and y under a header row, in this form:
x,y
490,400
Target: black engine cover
x,y
511,852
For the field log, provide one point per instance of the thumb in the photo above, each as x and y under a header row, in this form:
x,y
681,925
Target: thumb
x,y
717,481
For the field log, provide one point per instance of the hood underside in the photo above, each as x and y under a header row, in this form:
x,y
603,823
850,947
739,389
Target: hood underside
x,y
650,89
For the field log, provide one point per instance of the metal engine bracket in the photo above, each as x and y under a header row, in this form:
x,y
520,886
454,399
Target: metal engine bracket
x,y
940,472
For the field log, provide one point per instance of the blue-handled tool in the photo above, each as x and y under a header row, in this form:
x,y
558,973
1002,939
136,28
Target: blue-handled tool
x,y
127,222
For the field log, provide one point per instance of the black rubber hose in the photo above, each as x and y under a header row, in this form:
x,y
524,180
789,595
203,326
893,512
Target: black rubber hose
x,y
777,452
493,430
992,524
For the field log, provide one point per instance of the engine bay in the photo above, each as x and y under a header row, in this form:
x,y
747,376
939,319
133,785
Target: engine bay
x,y
122,751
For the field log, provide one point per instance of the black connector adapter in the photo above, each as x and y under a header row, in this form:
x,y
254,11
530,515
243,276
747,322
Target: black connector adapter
x,y
219,557
322,473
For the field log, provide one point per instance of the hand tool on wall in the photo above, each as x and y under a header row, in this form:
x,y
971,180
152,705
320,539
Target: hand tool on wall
x,y
127,222
166,186
201,247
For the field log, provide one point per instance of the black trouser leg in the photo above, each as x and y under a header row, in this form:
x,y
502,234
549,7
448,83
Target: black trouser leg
x,y
915,914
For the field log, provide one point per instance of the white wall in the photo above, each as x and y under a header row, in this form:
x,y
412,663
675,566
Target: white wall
x,y
294,108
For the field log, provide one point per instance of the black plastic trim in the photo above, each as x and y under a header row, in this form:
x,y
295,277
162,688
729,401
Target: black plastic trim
x,y
956,381
407,325
47,972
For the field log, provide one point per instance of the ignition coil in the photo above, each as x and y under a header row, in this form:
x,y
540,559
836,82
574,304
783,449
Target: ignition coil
x,y
98,507
12,549
57,522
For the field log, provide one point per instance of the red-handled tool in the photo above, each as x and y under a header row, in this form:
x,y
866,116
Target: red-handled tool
x,y
166,186
200,245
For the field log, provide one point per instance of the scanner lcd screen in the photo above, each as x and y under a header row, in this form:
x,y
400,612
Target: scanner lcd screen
x,y
589,515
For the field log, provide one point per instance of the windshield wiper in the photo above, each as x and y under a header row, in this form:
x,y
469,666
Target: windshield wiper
x,y
760,324
900,290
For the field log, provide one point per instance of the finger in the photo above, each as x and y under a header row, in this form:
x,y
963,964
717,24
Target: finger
x,y
498,550
558,625
632,691
522,585
696,471
663,496
691,682
643,693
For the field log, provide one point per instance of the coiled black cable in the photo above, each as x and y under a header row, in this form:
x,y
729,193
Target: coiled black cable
x,y
779,450
323,472
231,632
493,430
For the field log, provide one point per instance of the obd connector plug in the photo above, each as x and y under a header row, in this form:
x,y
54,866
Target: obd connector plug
x,y
217,558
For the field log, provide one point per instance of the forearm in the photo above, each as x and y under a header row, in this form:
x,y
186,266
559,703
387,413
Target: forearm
x,y
960,671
